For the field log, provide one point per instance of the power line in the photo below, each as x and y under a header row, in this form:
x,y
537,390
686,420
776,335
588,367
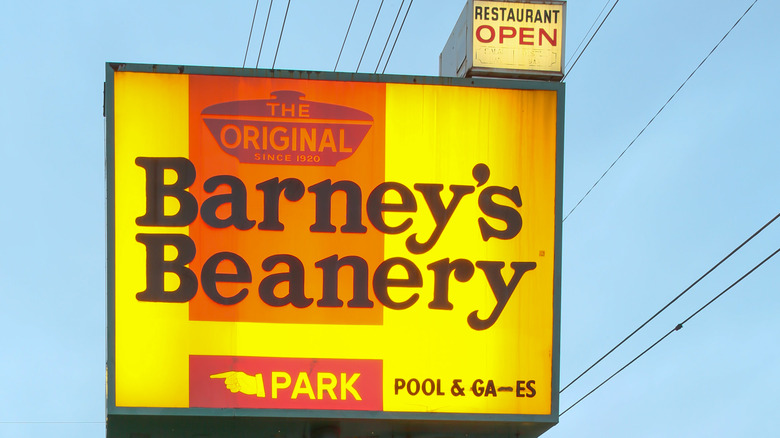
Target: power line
x,y
588,32
264,29
347,34
398,14
617,372
392,49
281,32
251,28
591,39
369,35
676,328
659,111
673,300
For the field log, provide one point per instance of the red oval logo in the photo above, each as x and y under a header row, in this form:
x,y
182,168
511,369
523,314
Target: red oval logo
x,y
287,130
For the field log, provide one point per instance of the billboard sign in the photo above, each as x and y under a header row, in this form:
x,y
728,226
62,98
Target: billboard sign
x,y
344,248
509,38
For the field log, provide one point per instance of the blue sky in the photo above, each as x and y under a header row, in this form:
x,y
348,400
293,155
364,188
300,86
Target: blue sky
x,y
700,180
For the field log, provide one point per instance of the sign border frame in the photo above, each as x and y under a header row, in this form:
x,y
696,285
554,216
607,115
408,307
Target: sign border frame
x,y
456,423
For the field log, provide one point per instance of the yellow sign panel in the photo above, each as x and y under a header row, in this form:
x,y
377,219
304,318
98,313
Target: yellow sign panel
x,y
321,245
518,35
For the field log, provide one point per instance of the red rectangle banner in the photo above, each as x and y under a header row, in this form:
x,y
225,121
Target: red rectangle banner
x,y
285,383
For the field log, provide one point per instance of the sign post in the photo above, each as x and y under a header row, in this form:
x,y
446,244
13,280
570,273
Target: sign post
x,y
293,250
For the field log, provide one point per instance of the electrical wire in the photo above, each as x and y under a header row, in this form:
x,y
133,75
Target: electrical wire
x,y
591,39
264,29
675,299
251,28
347,34
588,32
281,32
676,328
616,373
369,35
392,49
398,14
657,113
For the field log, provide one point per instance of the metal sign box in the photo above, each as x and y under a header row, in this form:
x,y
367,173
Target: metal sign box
x,y
507,38
240,303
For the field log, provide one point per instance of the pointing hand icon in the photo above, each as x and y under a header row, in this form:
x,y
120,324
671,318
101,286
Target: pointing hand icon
x,y
237,381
